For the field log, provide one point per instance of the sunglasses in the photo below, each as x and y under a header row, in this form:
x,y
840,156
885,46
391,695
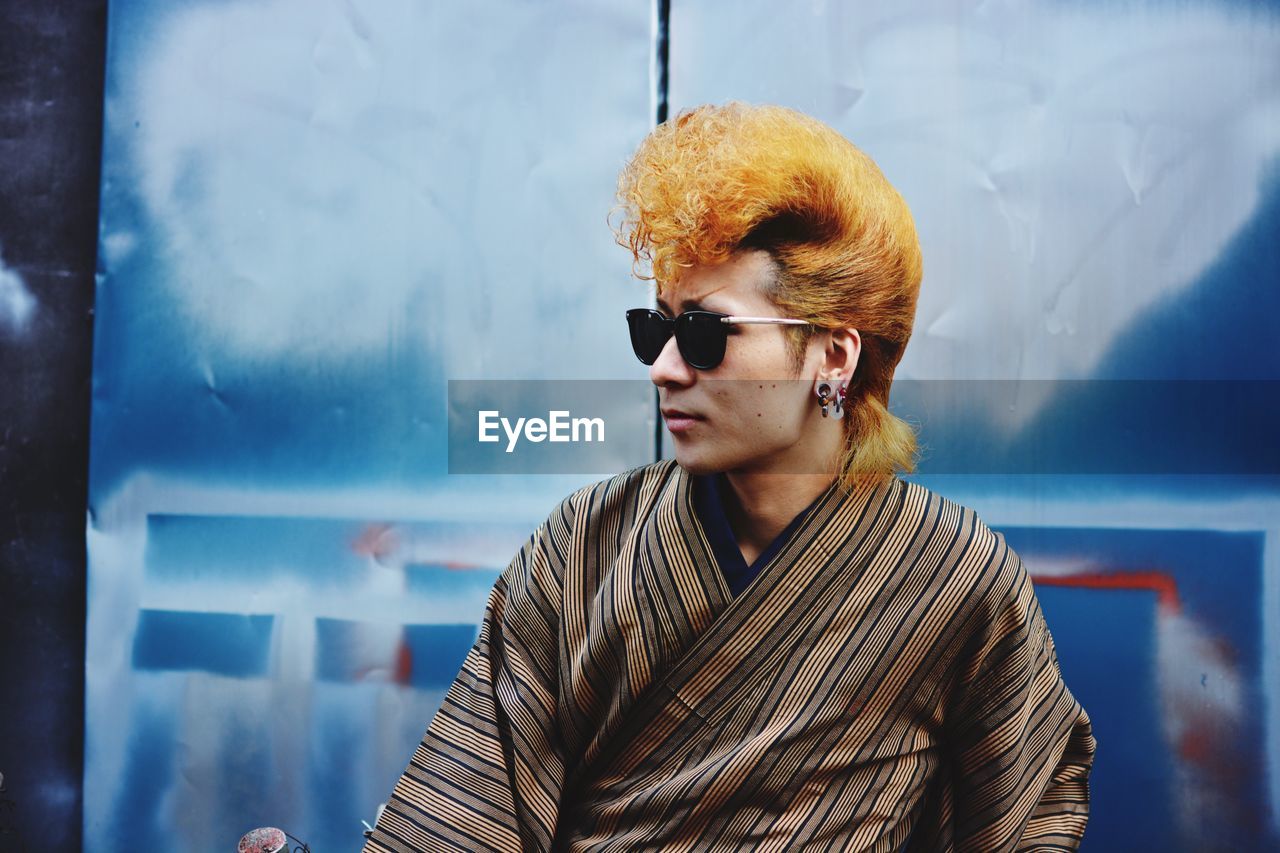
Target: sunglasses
x,y
700,335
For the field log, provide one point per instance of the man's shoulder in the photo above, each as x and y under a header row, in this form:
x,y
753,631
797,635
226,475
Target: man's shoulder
x,y
971,546
948,515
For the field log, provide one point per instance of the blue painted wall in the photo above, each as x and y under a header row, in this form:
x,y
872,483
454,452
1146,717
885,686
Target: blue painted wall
x,y
316,215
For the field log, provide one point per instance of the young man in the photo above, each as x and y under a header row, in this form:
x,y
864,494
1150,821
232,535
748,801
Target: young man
x,y
771,642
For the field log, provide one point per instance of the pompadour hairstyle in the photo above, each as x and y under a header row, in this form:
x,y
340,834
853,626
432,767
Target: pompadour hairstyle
x,y
715,180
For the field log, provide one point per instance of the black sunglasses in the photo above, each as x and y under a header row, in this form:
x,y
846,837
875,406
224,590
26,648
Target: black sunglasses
x,y
700,335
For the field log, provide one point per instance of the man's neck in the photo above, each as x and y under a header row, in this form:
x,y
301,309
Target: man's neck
x,y
763,499
760,505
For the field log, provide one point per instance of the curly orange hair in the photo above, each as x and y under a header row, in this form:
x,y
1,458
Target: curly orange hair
x,y
719,179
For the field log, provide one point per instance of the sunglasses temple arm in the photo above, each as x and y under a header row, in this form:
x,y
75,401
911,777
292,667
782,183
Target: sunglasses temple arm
x,y
771,320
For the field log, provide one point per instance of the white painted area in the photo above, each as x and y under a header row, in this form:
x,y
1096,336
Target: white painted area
x,y
473,528
1202,695
332,180
303,186
1069,165
17,305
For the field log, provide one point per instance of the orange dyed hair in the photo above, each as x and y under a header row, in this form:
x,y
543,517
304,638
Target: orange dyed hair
x,y
719,179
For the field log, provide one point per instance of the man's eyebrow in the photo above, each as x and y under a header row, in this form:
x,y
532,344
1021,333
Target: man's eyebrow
x,y
689,305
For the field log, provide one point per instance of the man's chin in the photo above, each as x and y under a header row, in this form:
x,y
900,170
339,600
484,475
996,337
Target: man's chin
x,y
698,463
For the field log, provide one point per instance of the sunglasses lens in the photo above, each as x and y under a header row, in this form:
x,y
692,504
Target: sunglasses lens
x,y
701,337
649,333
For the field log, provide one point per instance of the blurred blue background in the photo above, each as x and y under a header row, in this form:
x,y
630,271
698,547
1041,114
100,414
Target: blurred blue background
x,y
316,214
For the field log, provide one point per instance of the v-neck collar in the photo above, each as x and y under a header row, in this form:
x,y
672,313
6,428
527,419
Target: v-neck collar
x,y
691,576
677,504
709,501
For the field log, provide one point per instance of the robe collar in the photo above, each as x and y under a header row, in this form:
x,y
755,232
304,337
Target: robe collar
x,y
709,501
676,531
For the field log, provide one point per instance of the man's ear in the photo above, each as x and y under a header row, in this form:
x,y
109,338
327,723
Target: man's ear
x,y
843,352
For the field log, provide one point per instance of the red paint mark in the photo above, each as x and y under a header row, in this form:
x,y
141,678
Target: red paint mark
x,y
404,663
1197,746
1161,583
459,566
377,541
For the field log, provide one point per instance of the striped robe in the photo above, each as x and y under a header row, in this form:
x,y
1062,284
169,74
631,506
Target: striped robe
x,y
887,682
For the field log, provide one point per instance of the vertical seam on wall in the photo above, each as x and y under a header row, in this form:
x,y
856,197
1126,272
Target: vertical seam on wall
x,y
658,78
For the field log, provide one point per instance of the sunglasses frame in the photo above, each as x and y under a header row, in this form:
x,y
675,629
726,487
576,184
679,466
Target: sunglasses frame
x,y
674,325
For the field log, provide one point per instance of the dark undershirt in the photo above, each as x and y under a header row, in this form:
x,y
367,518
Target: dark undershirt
x,y
709,492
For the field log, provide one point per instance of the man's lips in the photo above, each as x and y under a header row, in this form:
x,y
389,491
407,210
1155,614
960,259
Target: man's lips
x,y
678,421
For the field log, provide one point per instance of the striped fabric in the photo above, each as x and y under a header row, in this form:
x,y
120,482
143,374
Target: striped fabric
x,y
887,682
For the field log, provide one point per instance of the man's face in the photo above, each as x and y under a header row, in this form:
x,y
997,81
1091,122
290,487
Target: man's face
x,y
752,410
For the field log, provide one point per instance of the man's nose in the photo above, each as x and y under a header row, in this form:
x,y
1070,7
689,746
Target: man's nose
x,y
670,368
